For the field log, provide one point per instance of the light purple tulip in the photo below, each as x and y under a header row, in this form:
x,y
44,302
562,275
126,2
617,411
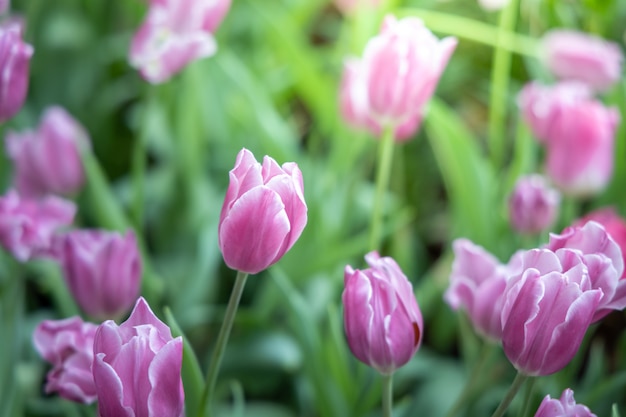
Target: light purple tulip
x,y
533,204
174,34
547,310
574,55
564,407
15,57
382,320
68,345
477,284
102,270
137,367
48,160
27,226
263,214
604,261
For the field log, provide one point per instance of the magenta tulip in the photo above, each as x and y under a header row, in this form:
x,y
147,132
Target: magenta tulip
x,y
533,204
564,407
137,367
382,320
263,214
15,57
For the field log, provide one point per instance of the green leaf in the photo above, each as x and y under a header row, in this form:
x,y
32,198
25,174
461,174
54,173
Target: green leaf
x,y
615,411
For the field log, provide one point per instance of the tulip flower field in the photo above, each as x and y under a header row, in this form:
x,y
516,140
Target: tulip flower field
x,y
312,208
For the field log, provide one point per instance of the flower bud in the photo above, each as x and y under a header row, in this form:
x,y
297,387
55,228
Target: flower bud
x,y
137,367
68,345
102,270
382,320
263,214
533,205
564,407
48,161
15,57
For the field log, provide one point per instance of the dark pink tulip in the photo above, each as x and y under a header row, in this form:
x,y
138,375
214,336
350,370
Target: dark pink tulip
x,y
15,57
263,214
382,320
533,204
137,367
547,310
564,407
27,226
48,160
613,224
574,55
102,270
68,345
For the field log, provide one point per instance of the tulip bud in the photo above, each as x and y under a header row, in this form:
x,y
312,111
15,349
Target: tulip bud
x,y
382,320
14,65
27,226
102,270
533,205
263,214
137,367
68,345
573,55
48,161
564,407
174,34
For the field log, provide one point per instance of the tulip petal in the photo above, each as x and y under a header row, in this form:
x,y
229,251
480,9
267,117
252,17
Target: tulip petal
x,y
166,397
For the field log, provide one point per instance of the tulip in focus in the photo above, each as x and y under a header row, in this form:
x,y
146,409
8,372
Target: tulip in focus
x,y
15,57
48,160
574,55
563,407
102,270
613,224
174,34
263,214
68,345
382,320
137,367
533,205
27,226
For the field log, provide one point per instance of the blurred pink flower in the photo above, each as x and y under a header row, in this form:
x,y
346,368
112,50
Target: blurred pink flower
x,y
352,6
15,57
263,215
564,407
175,33
533,205
68,345
4,6
48,161
382,320
574,55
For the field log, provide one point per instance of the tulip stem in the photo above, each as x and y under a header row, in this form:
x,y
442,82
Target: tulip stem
x,y
519,380
385,156
220,346
387,395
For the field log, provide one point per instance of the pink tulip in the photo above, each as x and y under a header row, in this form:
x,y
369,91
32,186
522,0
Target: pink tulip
x,y
573,55
137,367
349,7
27,226
174,34
382,320
477,284
263,214
102,270
48,161
564,407
68,345
15,57
533,205
547,310
613,224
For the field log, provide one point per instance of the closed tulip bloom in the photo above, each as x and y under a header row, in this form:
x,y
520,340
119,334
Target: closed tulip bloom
x,y
477,284
614,225
174,34
547,310
15,57
263,214
533,205
102,270
27,226
137,367
68,345
382,320
564,407
574,55
48,160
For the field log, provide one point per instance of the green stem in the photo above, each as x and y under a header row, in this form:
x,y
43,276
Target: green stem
x,y
385,156
387,395
528,397
519,380
220,346
139,161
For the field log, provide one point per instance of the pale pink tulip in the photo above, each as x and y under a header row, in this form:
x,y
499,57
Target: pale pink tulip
x,y
533,204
